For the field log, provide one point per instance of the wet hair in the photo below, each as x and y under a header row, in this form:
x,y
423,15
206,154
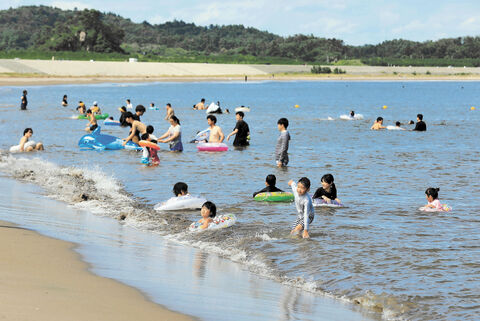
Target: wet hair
x,y
150,129
128,100
168,104
89,111
110,118
123,108
379,119
140,108
175,119
240,113
27,130
128,115
283,121
180,187
433,192
271,180
305,182
397,124
152,104
145,136
411,122
211,207
24,92
327,178
352,113
203,100
420,116
212,118
64,96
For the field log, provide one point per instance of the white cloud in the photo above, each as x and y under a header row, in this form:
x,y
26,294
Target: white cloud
x,y
70,5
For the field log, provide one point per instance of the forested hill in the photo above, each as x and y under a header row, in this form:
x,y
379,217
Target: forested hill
x,y
41,28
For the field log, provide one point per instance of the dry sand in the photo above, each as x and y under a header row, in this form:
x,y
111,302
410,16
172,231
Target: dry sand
x,y
42,279
47,72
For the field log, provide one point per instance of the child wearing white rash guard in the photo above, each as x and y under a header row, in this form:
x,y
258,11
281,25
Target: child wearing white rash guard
x,y
304,205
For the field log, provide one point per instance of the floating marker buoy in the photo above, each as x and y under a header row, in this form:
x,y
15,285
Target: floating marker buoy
x,y
384,107
296,106
472,108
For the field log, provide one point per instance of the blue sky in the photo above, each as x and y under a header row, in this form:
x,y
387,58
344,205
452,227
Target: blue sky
x,y
354,21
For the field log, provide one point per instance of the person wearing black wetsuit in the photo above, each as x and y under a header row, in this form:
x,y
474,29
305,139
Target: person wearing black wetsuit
x,y
270,181
420,126
24,102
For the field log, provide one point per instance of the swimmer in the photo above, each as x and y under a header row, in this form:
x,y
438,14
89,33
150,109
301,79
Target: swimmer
x,y
352,114
64,101
95,109
411,122
81,108
420,126
180,189
241,131
173,136
432,197
398,125
139,111
150,131
149,155
270,182
111,120
138,128
92,122
304,205
216,134
122,120
26,145
23,101
170,111
378,124
128,104
226,111
281,150
208,212
200,105
328,191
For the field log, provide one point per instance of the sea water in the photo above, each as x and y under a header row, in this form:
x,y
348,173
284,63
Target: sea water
x,y
379,253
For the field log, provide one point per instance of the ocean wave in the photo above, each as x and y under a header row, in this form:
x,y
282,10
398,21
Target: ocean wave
x,y
93,190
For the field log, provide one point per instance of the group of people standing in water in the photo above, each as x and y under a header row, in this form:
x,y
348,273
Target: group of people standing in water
x,y
140,131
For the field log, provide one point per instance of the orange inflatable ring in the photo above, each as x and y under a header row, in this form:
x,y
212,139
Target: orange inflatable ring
x,y
146,143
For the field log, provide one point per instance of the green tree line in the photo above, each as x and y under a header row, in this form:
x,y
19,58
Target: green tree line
x,y
42,29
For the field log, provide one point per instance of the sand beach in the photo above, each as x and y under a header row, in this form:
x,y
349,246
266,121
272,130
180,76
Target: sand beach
x,y
49,72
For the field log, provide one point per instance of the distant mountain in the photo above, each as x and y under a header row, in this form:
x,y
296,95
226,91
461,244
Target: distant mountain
x,y
53,29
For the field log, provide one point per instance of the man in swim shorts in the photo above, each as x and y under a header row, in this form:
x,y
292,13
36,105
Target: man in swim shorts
x,y
92,121
137,130
216,134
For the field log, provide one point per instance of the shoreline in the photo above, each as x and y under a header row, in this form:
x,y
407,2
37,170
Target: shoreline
x,y
43,278
38,80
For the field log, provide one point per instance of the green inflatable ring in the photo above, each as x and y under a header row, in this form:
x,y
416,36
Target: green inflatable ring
x,y
102,116
274,197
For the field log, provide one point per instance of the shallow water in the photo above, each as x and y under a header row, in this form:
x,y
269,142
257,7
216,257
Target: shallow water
x,y
379,251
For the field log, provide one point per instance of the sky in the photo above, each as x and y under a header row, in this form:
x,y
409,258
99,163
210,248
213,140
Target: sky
x,y
354,21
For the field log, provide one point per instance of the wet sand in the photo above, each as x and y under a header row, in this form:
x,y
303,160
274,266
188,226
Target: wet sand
x,y
44,279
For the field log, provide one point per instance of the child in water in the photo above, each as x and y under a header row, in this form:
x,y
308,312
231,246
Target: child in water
x,y
432,198
304,205
281,150
270,182
208,212
149,155
328,191
180,189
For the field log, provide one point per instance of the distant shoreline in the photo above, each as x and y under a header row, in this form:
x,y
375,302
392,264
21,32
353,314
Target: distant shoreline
x,y
24,72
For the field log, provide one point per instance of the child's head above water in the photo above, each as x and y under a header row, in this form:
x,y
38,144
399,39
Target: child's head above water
x,y
145,136
150,129
209,209
303,185
271,180
327,181
379,119
180,189
398,124
432,192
